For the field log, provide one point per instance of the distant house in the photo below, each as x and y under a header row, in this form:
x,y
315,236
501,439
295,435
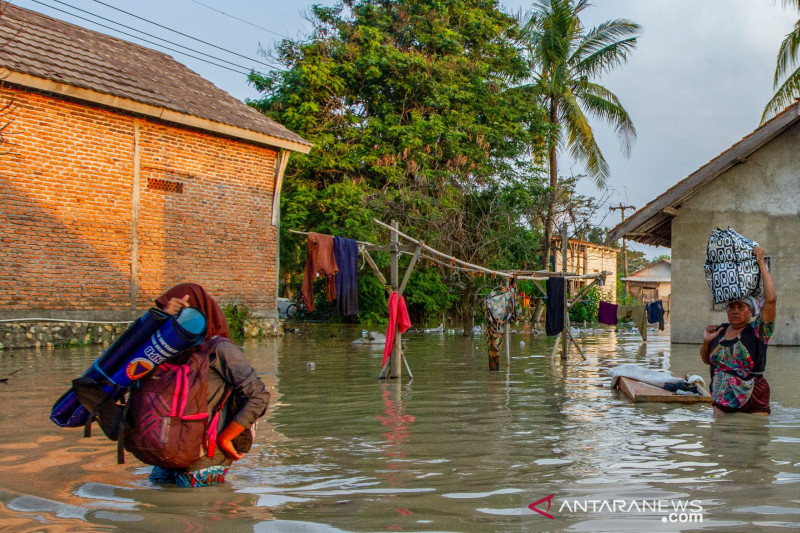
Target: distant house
x,y
753,187
651,283
588,258
124,173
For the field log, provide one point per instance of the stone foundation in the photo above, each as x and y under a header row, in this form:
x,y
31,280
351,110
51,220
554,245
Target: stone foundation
x,y
52,334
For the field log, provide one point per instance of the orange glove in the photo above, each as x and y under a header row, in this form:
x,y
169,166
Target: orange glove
x,y
231,431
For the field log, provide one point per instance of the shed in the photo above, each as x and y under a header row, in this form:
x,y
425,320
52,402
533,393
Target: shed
x,y
651,283
753,187
123,173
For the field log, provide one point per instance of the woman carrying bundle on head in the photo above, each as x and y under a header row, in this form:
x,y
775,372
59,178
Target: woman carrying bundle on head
x,y
737,350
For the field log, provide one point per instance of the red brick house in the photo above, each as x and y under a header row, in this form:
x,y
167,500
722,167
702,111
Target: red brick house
x,y
123,172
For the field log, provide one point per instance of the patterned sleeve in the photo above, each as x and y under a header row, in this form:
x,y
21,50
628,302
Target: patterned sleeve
x,y
763,329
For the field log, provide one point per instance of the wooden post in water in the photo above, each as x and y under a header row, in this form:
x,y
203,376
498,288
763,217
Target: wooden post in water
x,y
508,331
564,248
395,363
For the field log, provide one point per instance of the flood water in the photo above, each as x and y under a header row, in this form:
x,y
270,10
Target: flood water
x,y
455,449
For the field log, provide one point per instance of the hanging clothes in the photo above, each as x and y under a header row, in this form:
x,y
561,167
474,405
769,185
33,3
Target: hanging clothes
x,y
655,313
637,313
607,314
398,316
346,253
320,259
554,319
499,308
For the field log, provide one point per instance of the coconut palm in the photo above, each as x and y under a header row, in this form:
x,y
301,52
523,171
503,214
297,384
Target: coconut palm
x,y
566,59
788,57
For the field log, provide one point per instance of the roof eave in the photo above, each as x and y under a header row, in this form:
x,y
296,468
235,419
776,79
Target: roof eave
x,y
161,113
663,208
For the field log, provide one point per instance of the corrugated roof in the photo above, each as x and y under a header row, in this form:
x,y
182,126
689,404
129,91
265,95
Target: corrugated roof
x,y
43,47
652,224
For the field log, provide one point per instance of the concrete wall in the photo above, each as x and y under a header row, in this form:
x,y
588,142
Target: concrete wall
x,y
102,211
52,334
761,200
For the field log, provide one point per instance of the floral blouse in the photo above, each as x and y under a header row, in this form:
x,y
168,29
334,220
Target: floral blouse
x,y
736,362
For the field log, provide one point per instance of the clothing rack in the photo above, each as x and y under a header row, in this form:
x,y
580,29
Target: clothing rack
x,y
393,367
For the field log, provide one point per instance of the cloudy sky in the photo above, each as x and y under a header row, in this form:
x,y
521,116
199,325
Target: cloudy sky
x,y
696,84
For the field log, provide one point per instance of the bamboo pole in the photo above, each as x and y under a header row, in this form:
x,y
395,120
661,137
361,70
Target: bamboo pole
x,y
580,351
395,231
508,334
396,367
411,264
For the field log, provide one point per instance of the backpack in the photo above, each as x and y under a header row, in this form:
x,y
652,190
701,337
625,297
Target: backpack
x,y
167,416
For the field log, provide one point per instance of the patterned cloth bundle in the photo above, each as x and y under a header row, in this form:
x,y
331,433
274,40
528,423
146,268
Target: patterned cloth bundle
x,y
731,268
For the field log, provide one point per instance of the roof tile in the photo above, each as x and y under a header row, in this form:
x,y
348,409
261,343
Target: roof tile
x,y
52,49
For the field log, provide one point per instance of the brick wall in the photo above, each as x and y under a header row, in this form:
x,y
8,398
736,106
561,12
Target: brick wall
x,y
67,207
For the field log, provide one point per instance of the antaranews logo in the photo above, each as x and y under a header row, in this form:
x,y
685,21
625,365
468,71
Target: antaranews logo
x,y
549,500
671,511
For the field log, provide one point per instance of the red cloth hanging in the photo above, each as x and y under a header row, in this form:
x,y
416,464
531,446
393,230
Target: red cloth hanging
x,y
398,315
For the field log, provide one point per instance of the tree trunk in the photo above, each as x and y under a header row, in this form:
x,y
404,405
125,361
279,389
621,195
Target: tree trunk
x,y
549,228
538,311
550,221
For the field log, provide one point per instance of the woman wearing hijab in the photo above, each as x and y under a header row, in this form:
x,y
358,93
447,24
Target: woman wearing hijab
x,y
737,351
228,370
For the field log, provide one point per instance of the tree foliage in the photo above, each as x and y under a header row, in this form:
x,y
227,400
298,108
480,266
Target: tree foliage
x,y
414,114
786,81
419,111
567,59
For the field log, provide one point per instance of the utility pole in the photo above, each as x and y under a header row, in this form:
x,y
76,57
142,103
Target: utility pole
x,y
622,209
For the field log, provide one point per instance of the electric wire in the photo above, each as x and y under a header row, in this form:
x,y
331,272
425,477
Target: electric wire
x,y
241,20
179,33
147,41
166,40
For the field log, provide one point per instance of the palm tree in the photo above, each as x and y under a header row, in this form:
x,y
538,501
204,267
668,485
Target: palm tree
x,y
566,59
788,57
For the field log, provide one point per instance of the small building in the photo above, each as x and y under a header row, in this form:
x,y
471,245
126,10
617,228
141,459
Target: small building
x,y
753,187
651,283
589,258
123,173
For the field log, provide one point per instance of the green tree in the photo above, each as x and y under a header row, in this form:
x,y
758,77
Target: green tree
x,y
788,57
566,59
414,109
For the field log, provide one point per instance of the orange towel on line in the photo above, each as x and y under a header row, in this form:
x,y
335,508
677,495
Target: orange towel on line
x,y
319,260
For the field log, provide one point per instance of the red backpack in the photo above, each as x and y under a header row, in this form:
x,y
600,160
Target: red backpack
x,y
167,412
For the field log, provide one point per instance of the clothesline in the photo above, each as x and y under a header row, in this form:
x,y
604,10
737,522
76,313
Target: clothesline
x,y
543,274
529,275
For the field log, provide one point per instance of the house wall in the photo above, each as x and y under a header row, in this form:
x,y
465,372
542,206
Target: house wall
x,y
759,199
68,202
584,259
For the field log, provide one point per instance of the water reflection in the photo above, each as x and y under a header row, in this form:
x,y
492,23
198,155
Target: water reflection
x,y
456,449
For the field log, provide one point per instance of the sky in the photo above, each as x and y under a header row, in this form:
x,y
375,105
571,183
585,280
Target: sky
x,y
696,84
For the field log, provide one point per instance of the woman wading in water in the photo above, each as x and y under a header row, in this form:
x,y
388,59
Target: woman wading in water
x,y
737,351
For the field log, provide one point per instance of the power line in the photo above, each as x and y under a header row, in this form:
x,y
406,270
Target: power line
x,y
142,39
240,20
181,33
